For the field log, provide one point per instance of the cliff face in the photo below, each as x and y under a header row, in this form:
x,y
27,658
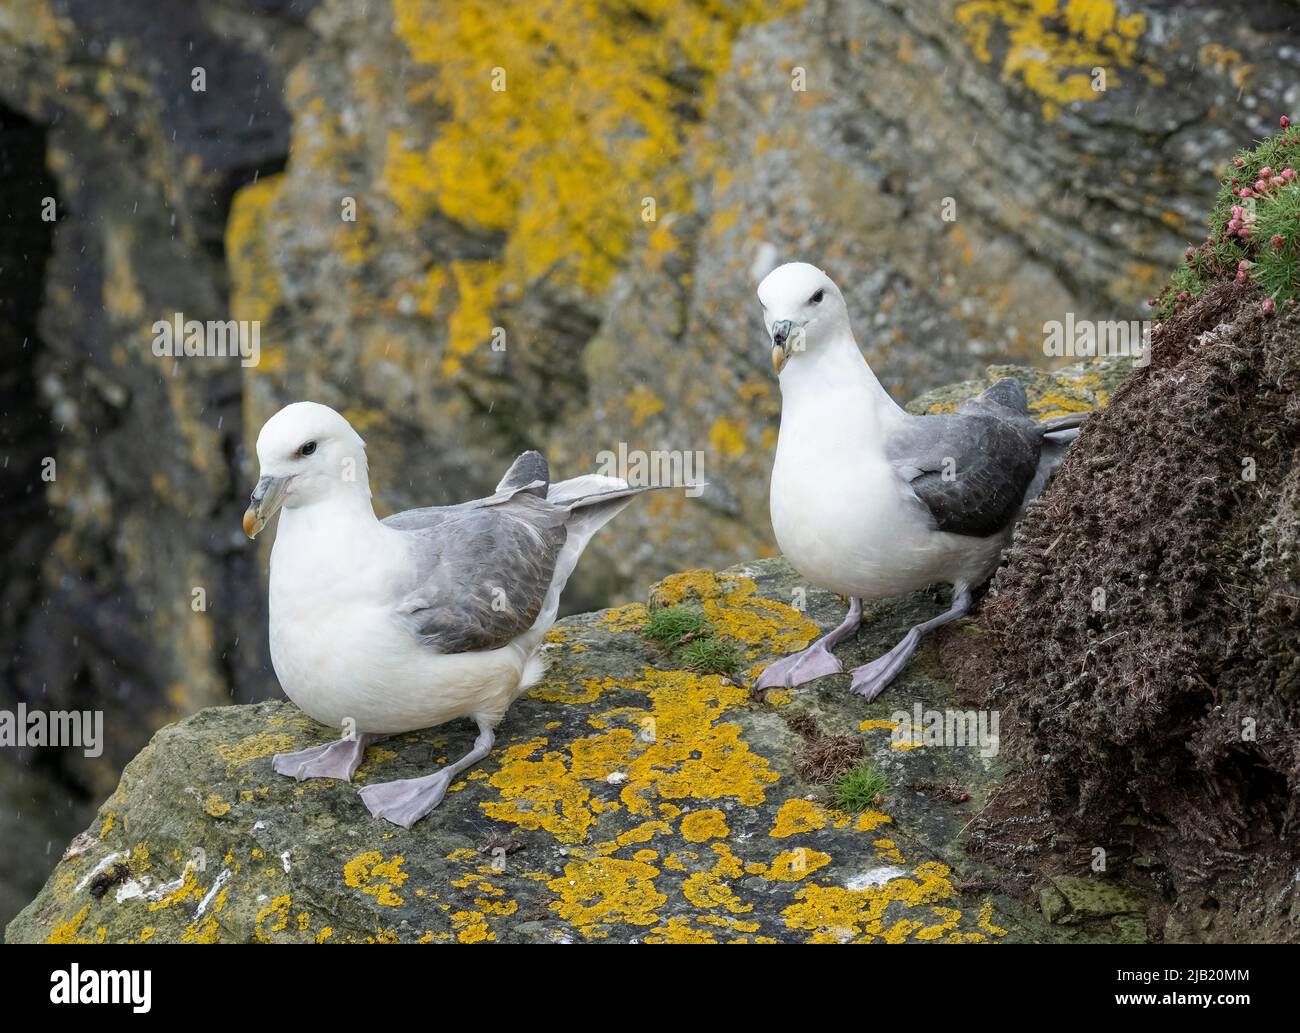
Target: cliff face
x,y
565,263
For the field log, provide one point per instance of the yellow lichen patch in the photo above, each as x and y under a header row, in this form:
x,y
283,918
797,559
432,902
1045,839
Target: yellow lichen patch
x,y
681,751
276,915
1057,65
692,754
797,815
914,740
370,873
643,833
254,747
605,890
215,806
727,438
470,325
735,610
255,283
698,826
631,617
831,914
711,890
869,819
794,865
985,921
540,793
679,930
121,295
559,690
69,931
109,819
189,888
564,174
207,929
471,927
643,403
1060,403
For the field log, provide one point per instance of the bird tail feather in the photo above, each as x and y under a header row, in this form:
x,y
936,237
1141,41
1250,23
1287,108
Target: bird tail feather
x,y
1058,425
592,501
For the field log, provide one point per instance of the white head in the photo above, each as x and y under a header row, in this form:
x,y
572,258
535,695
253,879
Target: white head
x,y
307,452
802,310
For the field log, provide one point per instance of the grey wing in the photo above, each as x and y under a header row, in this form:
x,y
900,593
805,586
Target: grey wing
x,y
482,570
970,471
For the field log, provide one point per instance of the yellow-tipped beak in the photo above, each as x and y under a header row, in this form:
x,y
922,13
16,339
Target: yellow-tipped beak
x,y
266,499
779,358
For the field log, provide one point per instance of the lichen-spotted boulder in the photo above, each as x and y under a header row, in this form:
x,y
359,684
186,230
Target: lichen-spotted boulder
x,y
629,798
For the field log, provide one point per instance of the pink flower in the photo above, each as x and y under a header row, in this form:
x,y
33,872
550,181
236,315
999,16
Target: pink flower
x,y
1265,172
1284,121
1268,305
1275,241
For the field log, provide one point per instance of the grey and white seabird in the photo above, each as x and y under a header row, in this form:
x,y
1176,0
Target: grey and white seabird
x,y
870,501
386,626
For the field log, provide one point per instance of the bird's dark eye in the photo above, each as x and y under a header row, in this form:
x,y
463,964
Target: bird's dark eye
x,y
307,449
816,299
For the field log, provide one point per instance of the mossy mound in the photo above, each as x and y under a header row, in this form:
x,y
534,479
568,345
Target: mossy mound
x,y
1142,638
1254,230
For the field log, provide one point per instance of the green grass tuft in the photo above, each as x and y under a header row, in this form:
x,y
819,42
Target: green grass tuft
x,y
669,624
710,656
857,789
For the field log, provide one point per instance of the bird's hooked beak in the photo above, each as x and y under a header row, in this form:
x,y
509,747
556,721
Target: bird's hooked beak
x,y
266,499
782,331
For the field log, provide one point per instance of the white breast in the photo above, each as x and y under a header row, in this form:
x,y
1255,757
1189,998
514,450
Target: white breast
x,y
841,513
339,649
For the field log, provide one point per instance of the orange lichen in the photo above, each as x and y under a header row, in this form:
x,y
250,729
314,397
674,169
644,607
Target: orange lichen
x,y
604,890
699,826
371,874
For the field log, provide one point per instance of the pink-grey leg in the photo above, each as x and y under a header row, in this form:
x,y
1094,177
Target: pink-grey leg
x,y
338,759
407,800
816,661
871,679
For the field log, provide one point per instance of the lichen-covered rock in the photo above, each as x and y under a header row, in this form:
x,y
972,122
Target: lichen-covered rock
x,y
627,799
